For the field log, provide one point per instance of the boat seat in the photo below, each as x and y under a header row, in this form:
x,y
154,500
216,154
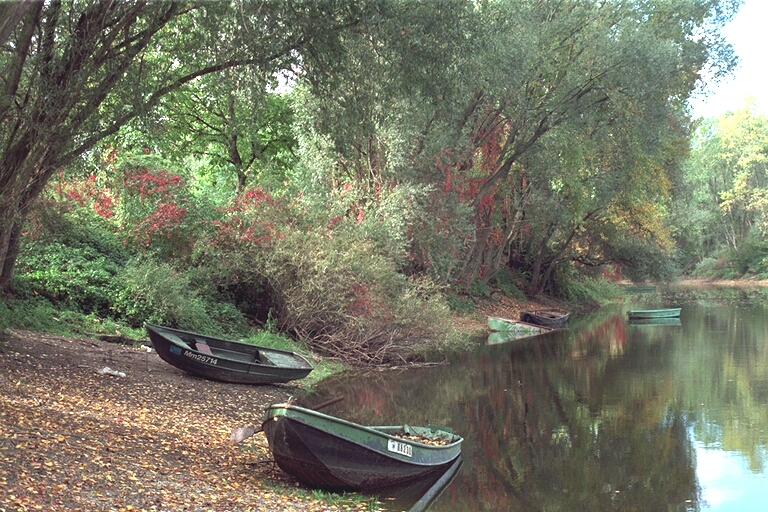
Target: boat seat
x,y
203,347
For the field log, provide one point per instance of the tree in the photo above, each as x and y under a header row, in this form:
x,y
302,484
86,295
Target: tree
x,y
488,85
723,194
75,73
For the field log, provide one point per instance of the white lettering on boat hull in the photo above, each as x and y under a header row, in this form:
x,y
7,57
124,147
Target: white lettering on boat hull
x,y
201,358
401,448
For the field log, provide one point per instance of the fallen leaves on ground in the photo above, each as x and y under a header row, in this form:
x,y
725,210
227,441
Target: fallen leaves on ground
x,y
155,440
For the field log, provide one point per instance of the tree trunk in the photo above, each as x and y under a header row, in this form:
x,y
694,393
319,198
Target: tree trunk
x,y
12,246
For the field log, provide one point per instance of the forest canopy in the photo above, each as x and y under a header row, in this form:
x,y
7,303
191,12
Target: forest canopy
x,y
336,169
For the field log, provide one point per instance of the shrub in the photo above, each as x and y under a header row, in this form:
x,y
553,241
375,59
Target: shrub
x,y
460,304
479,289
332,288
74,276
155,292
505,282
710,268
587,290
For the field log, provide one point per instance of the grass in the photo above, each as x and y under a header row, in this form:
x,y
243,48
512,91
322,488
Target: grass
x,y
344,501
324,368
40,315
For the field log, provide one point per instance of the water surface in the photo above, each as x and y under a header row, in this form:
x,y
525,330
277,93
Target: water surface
x,y
604,416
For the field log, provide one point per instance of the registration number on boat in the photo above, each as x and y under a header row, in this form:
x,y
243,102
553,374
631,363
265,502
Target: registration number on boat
x,y
401,448
200,357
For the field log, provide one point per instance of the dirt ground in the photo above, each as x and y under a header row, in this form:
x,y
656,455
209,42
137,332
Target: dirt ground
x,y
502,306
155,440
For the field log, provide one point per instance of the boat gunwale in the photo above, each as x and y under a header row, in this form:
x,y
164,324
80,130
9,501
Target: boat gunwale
x,y
157,328
371,429
658,313
545,328
542,312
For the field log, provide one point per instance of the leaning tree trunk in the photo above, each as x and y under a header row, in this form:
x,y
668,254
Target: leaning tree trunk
x,y
11,253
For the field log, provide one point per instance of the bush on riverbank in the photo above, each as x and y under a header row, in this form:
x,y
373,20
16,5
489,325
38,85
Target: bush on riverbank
x,y
326,273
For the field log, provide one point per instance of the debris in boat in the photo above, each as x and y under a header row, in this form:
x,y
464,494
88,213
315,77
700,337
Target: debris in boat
x,y
422,439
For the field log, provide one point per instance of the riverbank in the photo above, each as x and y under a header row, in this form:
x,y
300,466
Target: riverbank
x,y
156,439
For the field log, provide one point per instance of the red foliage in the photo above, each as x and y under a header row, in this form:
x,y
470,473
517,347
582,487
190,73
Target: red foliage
x,y
252,200
362,303
151,183
251,220
497,237
86,191
164,220
335,222
360,216
103,205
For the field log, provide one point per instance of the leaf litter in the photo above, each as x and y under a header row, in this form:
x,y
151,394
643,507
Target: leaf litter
x,y
154,440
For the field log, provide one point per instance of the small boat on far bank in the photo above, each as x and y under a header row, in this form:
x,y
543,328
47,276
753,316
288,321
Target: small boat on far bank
x,y
225,360
331,453
549,318
656,321
654,313
515,328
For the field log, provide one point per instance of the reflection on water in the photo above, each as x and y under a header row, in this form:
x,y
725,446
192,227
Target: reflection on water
x,y
604,416
418,496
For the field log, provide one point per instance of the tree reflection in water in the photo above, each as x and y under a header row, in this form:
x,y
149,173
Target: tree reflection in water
x,y
600,417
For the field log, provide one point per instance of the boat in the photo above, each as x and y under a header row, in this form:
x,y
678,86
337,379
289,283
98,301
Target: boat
x,y
515,327
654,313
225,360
500,337
326,452
656,321
419,495
549,318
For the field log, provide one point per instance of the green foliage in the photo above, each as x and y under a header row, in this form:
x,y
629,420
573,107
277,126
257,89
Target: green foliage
x,y
504,281
587,290
479,288
723,195
155,292
749,259
460,304
751,256
78,228
331,284
710,267
41,315
75,276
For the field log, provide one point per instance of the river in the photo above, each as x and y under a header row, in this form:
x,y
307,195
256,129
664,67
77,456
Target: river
x,y
602,416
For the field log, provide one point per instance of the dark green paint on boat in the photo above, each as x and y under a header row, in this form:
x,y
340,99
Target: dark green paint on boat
x,y
655,321
225,360
332,453
547,317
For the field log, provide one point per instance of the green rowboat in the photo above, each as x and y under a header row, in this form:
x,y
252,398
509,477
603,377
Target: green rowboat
x,y
654,313
332,453
520,329
656,321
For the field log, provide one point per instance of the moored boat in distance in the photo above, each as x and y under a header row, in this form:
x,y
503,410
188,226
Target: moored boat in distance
x,y
654,313
515,328
549,318
656,321
331,453
226,360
